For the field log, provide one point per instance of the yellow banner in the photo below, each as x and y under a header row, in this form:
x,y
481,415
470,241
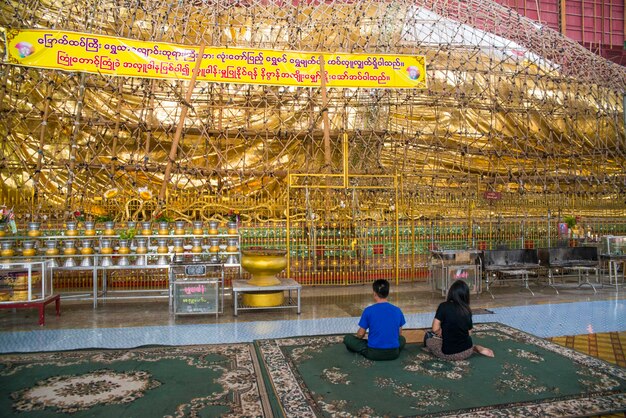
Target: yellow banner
x,y
81,52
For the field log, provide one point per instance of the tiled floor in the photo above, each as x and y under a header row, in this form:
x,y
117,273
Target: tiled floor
x,y
325,310
608,346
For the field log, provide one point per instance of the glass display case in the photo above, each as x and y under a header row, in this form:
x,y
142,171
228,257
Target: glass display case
x,y
446,266
613,256
613,245
26,281
27,284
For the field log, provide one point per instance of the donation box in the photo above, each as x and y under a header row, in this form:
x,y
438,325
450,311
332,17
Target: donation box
x,y
466,273
196,289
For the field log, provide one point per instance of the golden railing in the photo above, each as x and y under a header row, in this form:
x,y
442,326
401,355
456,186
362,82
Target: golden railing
x,y
341,252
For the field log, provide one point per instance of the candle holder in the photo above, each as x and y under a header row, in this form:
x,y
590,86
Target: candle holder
x,y
52,251
90,228
106,249
197,228
7,249
123,250
28,248
232,245
179,228
86,249
164,228
178,250
196,249
109,228
105,246
69,249
146,228
51,248
214,249
162,250
141,251
70,229
232,248
33,229
215,245
196,245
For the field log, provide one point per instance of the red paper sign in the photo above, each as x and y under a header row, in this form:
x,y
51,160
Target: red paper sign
x,y
493,195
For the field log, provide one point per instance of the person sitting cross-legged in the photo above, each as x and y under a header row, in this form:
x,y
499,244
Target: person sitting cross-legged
x,y
384,322
450,338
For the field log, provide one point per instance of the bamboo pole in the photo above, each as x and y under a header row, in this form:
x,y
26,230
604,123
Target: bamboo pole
x,y
288,228
346,168
326,127
179,128
116,129
150,121
73,145
397,227
4,191
325,121
42,136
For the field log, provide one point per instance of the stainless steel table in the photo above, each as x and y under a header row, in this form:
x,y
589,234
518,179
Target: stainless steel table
x,y
242,286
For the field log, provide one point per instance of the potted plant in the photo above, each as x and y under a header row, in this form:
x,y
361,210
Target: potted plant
x,y
103,218
570,220
7,217
127,234
163,220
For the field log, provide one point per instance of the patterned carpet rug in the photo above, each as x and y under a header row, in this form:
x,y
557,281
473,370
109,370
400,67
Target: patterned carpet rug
x,y
317,377
186,381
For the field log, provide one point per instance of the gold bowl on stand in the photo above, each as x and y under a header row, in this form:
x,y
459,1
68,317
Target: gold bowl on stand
x,y
263,265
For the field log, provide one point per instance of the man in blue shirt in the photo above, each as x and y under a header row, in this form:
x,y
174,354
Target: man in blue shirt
x,y
384,322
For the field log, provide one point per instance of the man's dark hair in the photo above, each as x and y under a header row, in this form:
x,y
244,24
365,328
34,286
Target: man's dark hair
x,y
381,288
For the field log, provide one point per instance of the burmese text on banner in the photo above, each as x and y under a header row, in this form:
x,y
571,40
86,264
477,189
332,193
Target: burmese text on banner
x,y
108,55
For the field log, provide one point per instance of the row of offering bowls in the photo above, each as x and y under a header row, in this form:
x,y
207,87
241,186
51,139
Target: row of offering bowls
x,y
136,259
141,228
106,244
125,247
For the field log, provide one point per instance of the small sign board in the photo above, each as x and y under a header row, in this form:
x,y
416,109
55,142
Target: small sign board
x,y
195,270
492,195
196,297
467,274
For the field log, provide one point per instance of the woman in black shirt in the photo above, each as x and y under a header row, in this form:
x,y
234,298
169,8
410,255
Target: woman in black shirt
x,y
450,337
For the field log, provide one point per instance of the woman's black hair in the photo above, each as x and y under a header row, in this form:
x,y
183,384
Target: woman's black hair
x,y
459,294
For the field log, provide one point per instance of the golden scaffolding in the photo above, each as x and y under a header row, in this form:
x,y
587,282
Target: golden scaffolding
x,y
512,109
